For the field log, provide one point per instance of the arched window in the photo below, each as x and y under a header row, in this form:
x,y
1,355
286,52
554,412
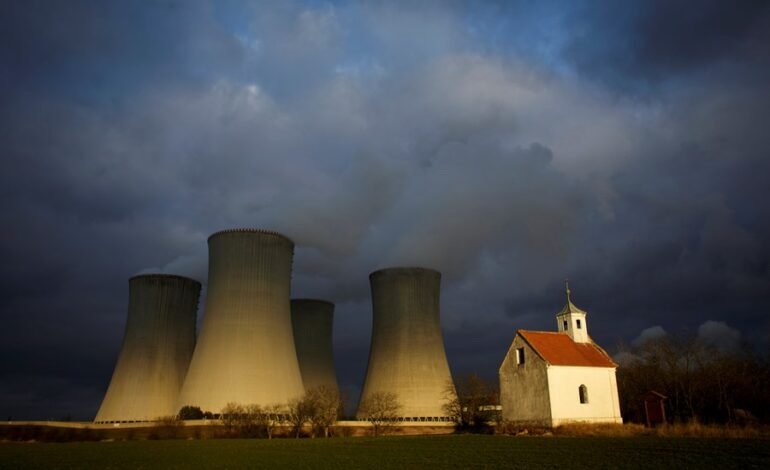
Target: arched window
x,y
583,392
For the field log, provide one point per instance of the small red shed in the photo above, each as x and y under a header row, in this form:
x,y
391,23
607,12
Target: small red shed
x,y
654,408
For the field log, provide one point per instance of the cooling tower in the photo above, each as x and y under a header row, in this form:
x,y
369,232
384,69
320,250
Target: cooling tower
x,y
312,322
157,346
245,351
407,353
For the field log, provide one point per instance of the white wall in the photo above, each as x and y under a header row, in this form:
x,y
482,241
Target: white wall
x,y
523,388
602,406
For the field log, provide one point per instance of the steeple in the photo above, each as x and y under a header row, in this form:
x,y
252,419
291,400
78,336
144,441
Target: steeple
x,y
570,307
572,320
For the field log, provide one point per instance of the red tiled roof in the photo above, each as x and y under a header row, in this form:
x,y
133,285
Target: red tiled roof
x,y
558,349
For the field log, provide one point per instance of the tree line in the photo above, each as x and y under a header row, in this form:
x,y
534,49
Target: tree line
x,y
319,407
703,383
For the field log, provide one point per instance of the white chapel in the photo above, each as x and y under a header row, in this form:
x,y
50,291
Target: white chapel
x,y
552,378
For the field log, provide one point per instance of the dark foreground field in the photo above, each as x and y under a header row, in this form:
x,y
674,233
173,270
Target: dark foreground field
x,y
457,451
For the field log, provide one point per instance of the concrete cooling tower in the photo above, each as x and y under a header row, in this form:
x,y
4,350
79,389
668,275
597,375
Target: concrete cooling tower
x,y
407,353
312,322
245,352
157,346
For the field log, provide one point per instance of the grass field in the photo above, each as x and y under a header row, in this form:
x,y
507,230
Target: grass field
x,y
451,451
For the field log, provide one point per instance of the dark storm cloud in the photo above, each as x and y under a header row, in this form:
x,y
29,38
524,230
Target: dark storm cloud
x,y
682,239
98,51
490,143
631,44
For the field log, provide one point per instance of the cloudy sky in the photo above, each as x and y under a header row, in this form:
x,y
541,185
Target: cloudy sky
x,y
510,145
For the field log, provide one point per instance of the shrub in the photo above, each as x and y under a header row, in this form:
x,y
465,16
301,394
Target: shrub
x,y
190,412
166,427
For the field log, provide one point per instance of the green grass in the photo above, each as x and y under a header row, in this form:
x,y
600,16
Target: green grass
x,y
453,451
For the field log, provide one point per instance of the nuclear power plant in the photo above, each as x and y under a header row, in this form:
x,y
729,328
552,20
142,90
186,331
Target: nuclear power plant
x,y
312,321
257,347
407,356
157,346
245,352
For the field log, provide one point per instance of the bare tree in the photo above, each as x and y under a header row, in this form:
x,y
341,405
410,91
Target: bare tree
x,y
452,406
299,412
470,403
232,416
268,418
251,421
381,409
325,406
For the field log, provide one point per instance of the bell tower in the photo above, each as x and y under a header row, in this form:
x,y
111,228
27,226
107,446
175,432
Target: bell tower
x,y
572,321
